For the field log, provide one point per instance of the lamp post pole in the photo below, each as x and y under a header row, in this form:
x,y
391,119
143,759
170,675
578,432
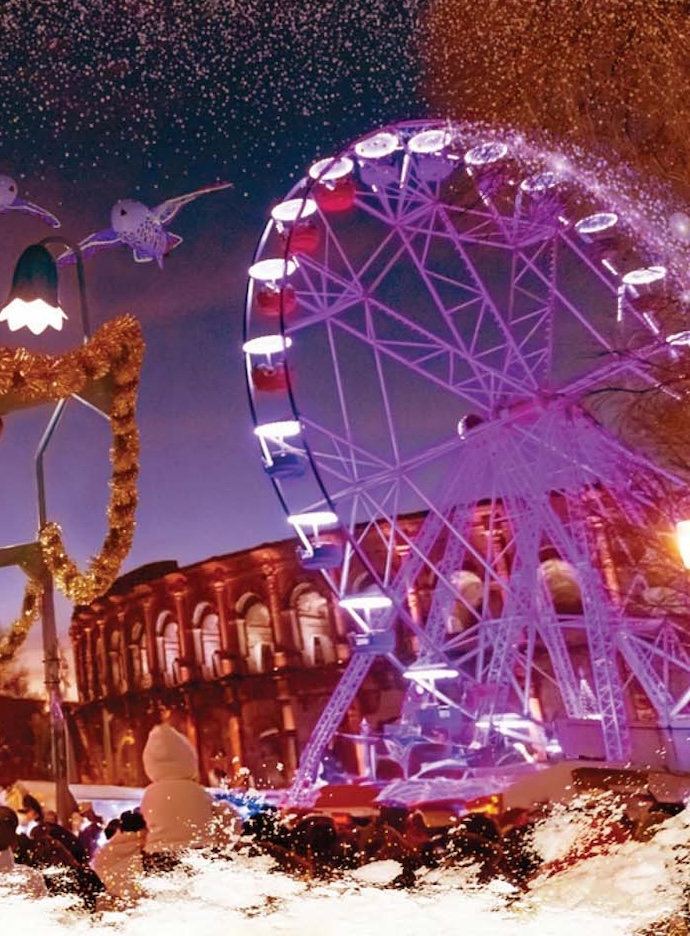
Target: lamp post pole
x,y
51,655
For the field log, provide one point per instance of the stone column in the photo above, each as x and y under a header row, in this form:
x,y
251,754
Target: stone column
x,y
108,746
288,734
229,649
235,758
281,638
78,640
91,669
146,599
119,606
104,686
80,635
179,589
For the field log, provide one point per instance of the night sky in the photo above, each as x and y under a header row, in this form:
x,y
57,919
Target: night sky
x,y
147,100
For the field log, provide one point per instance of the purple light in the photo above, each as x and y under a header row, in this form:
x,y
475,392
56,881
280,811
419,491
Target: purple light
x,y
429,142
430,671
314,519
597,223
379,146
365,602
277,431
540,183
331,169
679,339
293,210
644,276
266,344
485,154
273,270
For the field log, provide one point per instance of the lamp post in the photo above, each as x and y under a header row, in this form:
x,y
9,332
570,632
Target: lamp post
x,y
33,303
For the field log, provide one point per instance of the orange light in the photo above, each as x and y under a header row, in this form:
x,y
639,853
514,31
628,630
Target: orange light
x,y
683,540
489,805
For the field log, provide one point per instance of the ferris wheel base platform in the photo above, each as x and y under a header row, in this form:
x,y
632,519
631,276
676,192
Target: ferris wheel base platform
x,y
443,800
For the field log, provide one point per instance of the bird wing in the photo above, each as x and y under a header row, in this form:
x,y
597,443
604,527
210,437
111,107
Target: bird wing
x,y
167,210
20,204
98,241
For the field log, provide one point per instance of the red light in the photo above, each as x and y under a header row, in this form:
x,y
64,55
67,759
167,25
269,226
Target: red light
x,y
273,301
334,197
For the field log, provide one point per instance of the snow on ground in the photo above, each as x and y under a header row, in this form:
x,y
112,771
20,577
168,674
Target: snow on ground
x,y
632,887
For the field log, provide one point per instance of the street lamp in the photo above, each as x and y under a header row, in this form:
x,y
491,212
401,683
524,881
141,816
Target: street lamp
x,y
33,303
683,540
33,299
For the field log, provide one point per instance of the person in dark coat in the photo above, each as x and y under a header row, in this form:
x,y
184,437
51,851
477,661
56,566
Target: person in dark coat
x,y
62,871
32,811
90,835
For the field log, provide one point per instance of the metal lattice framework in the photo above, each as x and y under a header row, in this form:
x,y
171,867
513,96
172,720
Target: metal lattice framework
x,y
427,316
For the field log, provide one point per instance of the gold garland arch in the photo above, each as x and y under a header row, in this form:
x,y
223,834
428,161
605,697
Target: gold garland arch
x,y
116,351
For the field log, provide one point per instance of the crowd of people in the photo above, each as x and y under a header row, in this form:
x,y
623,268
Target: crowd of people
x,y
492,846
106,865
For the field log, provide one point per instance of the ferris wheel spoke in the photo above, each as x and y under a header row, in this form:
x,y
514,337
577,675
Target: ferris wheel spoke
x,y
341,454
506,344
422,347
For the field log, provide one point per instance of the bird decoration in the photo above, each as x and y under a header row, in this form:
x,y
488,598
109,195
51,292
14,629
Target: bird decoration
x,y
10,201
141,228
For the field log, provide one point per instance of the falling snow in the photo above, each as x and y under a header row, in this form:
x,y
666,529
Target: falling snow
x,y
168,85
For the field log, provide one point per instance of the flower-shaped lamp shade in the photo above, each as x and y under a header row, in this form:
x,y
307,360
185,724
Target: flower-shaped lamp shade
x,y
33,299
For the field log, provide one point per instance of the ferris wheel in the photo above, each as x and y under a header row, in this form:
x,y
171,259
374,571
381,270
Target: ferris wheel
x,y
428,313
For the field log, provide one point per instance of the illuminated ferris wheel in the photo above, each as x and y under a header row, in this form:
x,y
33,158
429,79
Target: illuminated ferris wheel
x,y
428,313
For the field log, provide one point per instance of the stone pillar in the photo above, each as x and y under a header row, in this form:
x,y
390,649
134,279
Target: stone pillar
x,y
119,606
91,670
235,758
108,747
146,600
80,636
104,685
222,611
76,636
280,635
178,588
229,647
288,734
235,739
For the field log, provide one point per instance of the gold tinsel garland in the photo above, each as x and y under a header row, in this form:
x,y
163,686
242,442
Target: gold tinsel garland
x,y
116,349
11,641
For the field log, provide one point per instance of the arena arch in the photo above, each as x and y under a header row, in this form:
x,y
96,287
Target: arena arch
x,y
255,620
